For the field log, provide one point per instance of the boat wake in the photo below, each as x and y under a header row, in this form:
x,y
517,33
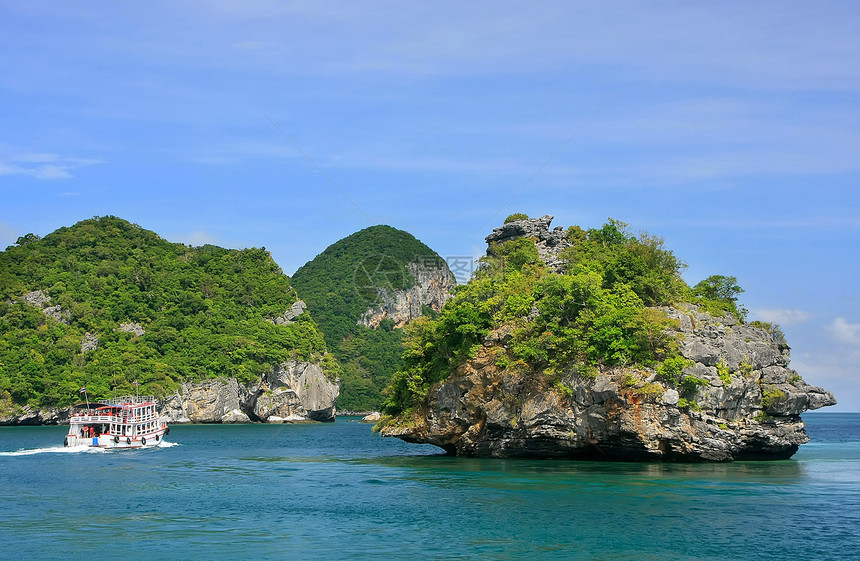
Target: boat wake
x,y
55,450
77,450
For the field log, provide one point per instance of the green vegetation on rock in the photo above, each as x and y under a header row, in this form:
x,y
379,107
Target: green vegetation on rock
x,y
718,294
516,216
601,312
340,284
205,312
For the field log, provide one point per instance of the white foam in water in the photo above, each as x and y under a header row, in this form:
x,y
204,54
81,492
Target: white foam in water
x,y
72,450
53,450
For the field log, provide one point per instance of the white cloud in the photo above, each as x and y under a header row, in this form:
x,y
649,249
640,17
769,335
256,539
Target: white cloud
x,y
44,166
845,332
781,316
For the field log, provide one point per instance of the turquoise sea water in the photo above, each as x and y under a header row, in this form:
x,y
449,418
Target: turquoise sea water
x,y
337,491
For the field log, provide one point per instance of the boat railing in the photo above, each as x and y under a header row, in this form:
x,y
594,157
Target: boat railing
x,y
130,400
90,418
97,418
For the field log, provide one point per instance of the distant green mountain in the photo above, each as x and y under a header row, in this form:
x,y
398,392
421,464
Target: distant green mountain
x,y
341,284
105,302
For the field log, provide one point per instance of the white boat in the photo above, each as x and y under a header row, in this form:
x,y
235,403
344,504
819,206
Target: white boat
x,y
124,422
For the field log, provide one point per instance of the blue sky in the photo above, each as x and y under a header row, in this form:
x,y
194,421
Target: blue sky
x,y
731,129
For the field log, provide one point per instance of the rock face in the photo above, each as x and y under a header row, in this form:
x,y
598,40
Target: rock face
x,y
291,392
296,389
433,287
132,327
36,298
27,415
748,407
548,242
212,401
89,342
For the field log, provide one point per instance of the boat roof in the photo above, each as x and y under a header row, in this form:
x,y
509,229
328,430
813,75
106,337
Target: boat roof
x,y
124,401
91,405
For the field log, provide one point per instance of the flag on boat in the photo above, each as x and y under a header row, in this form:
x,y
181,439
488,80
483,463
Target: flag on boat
x,y
82,390
134,383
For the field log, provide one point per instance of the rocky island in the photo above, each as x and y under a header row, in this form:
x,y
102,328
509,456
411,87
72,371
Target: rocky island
x,y
588,345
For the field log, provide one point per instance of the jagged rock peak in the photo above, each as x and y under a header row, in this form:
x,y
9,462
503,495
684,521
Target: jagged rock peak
x,y
549,242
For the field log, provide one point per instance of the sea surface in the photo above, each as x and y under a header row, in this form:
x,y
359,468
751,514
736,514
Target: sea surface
x,y
338,491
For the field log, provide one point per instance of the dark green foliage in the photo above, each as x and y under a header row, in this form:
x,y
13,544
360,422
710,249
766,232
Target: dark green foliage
x,y
369,358
203,310
641,263
338,287
718,295
691,383
512,255
516,216
670,369
27,238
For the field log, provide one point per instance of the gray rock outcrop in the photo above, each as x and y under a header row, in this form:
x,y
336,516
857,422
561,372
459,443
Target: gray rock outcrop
x,y
89,342
433,287
213,400
293,391
132,327
548,242
39,299
297,309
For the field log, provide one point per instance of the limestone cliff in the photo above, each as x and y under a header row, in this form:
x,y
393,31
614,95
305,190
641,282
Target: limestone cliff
x,y
433,287
291,392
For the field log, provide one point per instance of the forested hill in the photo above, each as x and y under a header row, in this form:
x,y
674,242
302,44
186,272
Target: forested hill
x,y
105,302
340,284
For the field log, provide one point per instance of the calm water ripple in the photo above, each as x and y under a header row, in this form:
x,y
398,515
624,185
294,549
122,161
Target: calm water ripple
x,y
338,491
